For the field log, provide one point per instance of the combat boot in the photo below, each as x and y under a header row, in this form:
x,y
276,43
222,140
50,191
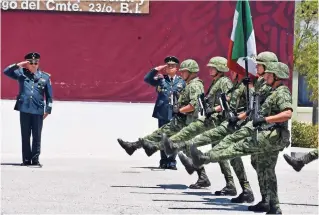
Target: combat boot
x,y
298,163
170,147
198,157
202,181
187,162
246,196
229,189
149,147
262,206
274,210
130,147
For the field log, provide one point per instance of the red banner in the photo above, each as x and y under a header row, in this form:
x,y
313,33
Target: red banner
x,y
99,57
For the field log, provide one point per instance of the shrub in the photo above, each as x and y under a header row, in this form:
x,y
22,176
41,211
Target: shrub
x,y
304,135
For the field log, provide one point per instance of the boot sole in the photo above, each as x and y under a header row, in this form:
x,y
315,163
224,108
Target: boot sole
x,y
189,170
128,151
225,194
291,164
246,201
193,186
148,152
167,146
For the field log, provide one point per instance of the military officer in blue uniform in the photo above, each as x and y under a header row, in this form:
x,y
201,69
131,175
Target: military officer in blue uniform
x,y
166,84
34,84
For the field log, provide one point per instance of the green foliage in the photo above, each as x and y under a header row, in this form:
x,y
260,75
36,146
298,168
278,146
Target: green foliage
x,y
304,135
306,44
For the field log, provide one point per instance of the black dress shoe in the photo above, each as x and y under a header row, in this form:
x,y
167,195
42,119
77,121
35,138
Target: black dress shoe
x,y
25,163
36,163
172,165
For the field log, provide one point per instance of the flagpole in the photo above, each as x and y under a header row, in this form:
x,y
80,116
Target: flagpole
x,y
245,49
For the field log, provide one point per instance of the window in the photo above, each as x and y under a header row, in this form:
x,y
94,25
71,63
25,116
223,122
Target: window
x,y
303,93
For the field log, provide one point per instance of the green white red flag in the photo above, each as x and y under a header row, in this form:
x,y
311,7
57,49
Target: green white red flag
x,y
236,51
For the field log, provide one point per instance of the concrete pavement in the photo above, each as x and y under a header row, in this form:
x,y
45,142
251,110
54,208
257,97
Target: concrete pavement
x,y
86,171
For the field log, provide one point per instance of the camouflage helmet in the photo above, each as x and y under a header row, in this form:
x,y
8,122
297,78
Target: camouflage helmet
x,y
220,63
280,69
190,65
265,57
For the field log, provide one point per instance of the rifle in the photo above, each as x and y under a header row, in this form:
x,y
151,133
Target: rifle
x,y
202,101
225,107
174,102
251,106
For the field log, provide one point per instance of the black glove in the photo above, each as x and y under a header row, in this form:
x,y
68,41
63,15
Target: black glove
x,y
246,81
258,121
233,120
248,112
210,111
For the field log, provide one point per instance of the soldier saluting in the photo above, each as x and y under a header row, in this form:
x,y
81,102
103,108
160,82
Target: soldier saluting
x,y
33,85
166,85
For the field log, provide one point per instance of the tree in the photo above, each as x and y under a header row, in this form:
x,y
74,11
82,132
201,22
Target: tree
x,y
306,47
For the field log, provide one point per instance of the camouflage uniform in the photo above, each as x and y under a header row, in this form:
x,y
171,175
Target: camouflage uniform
x,y
188,96
213,136
241,143
267,158
298,163
221,85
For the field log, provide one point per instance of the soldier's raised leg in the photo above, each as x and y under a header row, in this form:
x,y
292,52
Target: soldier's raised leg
x,y
151,142
299,163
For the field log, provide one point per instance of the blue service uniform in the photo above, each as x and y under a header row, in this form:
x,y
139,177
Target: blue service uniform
x,y
163,109
30,103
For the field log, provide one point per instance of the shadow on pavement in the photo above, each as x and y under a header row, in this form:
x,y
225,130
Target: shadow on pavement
x,y
150,167
200,193
233,208
148,193
159,186
208,201
313,205
10,164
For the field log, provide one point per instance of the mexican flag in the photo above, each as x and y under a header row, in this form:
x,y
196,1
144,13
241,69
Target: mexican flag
x,y
236,51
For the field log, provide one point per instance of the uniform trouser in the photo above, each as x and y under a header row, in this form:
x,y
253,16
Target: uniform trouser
x,y
313,156
265,164
31,123
171,128
241,143
213,136
164,158
198,127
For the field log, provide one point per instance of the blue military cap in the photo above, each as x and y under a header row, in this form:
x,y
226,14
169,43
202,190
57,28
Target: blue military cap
x,y
32,56
171,60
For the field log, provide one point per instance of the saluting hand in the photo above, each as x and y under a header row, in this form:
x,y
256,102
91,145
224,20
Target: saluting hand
x,y
23,64
160,68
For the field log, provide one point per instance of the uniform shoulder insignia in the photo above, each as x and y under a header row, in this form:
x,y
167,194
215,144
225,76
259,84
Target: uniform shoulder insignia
x,y
47,73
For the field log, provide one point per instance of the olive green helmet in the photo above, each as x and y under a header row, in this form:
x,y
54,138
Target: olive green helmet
x,y
280,69
265,57
190,65
220,63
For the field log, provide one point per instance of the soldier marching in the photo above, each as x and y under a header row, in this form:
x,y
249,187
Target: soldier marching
x,y
241,131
